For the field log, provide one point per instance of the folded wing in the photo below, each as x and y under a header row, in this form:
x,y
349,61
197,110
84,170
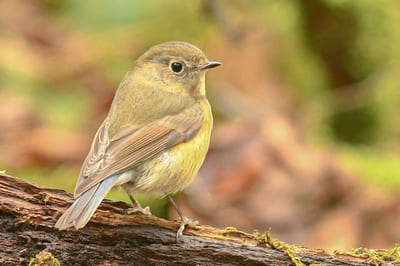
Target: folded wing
x,y
134,144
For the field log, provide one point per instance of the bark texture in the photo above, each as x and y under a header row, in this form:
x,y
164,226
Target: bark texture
x,y
28,213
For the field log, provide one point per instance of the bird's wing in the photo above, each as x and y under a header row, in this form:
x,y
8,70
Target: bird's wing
x,y
132,145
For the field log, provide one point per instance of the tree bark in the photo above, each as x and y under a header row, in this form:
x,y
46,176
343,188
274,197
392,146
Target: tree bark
x,y
28,213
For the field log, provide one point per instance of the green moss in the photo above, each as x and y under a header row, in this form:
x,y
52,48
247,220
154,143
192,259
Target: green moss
x,y
377,256
374,256
275,243
44,259
230,229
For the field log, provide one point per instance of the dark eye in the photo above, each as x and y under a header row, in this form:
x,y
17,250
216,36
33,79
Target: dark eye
x,y
176,67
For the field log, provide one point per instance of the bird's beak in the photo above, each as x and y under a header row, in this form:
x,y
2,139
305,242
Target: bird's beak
x,y
209,64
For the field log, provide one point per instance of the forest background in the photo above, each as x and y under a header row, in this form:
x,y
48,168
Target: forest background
x,y
306,106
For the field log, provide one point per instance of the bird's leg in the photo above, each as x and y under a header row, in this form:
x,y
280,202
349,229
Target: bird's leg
x,y
184,220
136,208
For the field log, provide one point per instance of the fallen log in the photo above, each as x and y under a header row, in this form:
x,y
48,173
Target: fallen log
x,y
28,213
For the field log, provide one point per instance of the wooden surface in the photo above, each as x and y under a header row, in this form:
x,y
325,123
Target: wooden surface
x,y
28,213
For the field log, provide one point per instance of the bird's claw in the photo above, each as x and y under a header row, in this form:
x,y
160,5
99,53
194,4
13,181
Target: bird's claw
x,y
184,222
138,209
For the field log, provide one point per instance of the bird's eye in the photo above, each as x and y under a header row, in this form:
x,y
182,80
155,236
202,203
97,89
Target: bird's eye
x,y
176,67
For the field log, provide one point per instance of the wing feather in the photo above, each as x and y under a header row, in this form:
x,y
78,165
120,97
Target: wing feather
x,y
132,145
97,151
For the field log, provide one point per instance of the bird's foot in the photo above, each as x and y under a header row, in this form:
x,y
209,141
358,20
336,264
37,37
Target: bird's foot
x,y
184,222
136,208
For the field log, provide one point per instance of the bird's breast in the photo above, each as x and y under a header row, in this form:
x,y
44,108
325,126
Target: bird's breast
x,y
174,169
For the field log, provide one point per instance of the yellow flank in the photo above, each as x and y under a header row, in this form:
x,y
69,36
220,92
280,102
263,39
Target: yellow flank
x,y
175,169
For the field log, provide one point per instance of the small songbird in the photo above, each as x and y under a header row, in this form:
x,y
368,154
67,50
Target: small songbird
x,y
155,136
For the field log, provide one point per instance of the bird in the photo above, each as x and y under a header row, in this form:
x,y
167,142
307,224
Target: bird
x,y
155,137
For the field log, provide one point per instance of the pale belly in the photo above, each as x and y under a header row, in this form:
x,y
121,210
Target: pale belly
x,y
173,170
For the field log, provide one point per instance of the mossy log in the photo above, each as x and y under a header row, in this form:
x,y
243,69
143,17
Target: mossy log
x,y
28,213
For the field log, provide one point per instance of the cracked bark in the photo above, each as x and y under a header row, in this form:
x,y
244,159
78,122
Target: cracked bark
x,y
28,213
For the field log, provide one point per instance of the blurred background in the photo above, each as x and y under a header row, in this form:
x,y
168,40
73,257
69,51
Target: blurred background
x,y
306,105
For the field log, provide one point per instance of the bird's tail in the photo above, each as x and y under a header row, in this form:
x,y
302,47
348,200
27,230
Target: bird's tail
x,y
80,212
